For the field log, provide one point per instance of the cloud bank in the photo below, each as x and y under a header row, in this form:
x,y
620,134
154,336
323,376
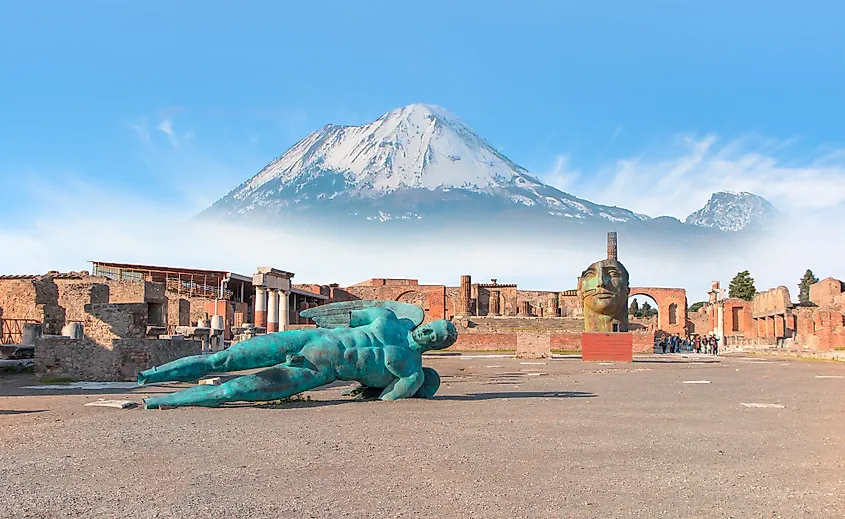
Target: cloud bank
x,y
89,222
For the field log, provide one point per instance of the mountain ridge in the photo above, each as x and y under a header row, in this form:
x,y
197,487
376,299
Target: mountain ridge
x,y
421,164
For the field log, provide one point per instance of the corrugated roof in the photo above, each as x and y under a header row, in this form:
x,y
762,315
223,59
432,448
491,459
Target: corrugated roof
x,y
162,268
66,275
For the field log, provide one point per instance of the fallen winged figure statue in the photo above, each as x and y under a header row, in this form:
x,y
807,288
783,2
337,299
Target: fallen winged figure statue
x,y
376,343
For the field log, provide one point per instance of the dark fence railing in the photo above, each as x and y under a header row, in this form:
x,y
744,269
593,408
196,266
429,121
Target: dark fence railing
x,y
11,330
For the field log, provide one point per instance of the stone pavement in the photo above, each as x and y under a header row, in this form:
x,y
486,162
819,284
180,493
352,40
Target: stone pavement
x,y
667,436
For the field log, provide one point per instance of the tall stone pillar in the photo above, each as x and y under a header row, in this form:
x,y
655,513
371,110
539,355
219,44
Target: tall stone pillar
x,y
493,305
611,246
554,305
720,323
272,310
284,318
466,296
260,307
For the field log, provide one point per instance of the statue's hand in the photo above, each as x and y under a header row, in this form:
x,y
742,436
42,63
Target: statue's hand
x,y
403,387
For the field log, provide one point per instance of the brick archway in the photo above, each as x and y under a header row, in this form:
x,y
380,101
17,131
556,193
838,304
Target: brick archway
x,y
669,301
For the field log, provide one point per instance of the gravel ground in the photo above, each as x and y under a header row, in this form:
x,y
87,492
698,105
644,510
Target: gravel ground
x,y
503,438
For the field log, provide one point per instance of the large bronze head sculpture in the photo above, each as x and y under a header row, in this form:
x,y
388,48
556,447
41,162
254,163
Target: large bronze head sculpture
x,y
604,291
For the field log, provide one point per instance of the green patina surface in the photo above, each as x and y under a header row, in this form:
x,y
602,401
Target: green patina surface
x,y
604,289
376,343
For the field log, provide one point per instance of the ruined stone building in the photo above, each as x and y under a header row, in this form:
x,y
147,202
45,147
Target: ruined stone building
x,y
771,318
129,315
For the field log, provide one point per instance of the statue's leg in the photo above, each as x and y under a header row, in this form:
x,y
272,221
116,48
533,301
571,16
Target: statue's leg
x,y
278,382
258,352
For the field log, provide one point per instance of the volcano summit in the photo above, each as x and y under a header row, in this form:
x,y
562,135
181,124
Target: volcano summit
x,y
417,167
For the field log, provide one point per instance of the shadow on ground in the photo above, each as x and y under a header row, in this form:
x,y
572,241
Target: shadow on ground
x,y
21,411
517,394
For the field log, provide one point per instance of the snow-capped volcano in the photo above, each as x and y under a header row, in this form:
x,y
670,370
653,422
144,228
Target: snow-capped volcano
x,y
416,162
728,211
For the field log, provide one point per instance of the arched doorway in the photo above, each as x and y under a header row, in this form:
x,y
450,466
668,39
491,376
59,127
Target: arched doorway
x,y
671,306
643,313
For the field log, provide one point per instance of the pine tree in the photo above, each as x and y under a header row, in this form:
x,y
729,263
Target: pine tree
x,y
696,306
634,309
742,286
645,311
804,286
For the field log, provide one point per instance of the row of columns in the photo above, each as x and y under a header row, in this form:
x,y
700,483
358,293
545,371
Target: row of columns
x,y
271,309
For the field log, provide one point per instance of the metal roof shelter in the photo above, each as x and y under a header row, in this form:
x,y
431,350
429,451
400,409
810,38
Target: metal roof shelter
x,y
184,281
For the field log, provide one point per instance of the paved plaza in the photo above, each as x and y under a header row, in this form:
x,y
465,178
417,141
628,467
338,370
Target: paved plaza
x,y
666,436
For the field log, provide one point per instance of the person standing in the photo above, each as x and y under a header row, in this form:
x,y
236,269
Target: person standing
x,y
715,345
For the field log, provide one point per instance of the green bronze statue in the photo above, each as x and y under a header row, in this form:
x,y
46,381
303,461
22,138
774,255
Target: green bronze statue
x,y
604,291
376,343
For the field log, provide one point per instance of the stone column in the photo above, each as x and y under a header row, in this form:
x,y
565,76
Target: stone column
x,y
554,305
611,246
284,318
720,323
260,307
525,308
493,305
466,296
272,310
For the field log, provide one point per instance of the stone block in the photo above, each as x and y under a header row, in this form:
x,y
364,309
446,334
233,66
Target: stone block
x,y
533,345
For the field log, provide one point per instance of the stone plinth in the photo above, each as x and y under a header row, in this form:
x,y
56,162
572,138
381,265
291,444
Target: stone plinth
x,y
618,347
533,345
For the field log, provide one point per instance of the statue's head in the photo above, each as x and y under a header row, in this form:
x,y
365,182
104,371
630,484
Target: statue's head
x,y
604,288
435,335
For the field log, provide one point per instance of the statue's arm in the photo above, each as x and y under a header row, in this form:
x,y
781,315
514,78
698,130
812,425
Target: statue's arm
x,y
403,387
366,316
409,374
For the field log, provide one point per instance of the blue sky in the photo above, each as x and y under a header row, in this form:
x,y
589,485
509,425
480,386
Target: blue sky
x,y
651,105
540,80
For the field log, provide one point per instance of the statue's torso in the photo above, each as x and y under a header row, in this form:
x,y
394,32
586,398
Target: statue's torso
x,y
360,353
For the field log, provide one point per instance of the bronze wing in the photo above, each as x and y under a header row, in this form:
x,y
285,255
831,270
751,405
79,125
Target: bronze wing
x,y
337,315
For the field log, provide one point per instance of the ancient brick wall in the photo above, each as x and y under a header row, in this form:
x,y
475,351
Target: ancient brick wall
x,y
825,292
86,360
539,299
74,294
671,307
185,311
17,299
126,291
501,334
105,322
570,306
533,345
485,342
432,298
504,324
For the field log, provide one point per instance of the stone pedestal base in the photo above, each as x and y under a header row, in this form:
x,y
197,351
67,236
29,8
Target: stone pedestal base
x,y
533,345
617,347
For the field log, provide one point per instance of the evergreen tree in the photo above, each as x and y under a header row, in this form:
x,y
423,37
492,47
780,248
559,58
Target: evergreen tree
x,y
634,309
742,286
804,286
646,310
696,306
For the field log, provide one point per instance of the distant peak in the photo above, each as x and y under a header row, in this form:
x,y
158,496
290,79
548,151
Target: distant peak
x,y
731,211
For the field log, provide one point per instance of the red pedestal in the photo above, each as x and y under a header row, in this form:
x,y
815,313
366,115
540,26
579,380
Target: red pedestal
x,y
617,347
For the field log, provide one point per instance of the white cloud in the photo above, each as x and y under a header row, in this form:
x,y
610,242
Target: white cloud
x,y
141,129
681,179
81,221
165,126
560,175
